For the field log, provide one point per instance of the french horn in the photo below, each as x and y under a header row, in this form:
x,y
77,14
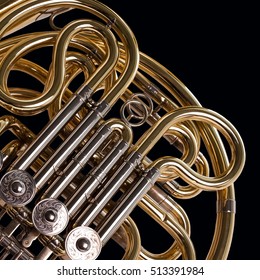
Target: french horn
x,y
114,131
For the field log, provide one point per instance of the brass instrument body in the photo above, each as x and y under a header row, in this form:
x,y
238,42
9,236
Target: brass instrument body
x,y
71,200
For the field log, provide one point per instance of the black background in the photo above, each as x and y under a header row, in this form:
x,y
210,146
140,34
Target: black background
x,y
211,48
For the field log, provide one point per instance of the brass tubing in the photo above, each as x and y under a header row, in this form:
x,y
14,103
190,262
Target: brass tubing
x,y
163,206
150,66
146,142
127,236
10,102
184,125
125,205
109,189
77,163
9,152
9,122
225,220
237,160
133,246
177,231
118,178
158,196
190,148
65,114
67,147
58,65
113,20
187,191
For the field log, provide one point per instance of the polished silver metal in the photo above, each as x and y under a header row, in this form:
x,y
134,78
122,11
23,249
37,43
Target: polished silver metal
x,y
95,178
83,243
78,162
126,204
14,248
69,145
17,188
109,189
136,104
1,160
66,203
53,128
50,217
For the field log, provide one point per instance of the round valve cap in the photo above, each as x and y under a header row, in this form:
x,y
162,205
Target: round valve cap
x,y
50,216
17,188
83,243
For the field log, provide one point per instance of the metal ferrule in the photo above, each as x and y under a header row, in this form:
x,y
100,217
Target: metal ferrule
x,y
84,94
96,177
103,108
226,206
126,205
110,188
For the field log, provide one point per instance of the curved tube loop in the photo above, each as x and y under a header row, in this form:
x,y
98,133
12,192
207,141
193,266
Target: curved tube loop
x,y
133,245
156,203
183,243
182,169
188,191
8,25
9,153
57,73
190,149
225,220
17,128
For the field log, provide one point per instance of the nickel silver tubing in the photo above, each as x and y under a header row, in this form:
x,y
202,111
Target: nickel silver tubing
x,y
77,163
95,178
126,205
51,131
69,145
109,189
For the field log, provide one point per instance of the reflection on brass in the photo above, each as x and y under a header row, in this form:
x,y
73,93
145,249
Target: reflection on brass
x,y
70,187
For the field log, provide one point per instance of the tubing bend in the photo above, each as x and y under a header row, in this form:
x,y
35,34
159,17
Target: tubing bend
x,y
126,205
